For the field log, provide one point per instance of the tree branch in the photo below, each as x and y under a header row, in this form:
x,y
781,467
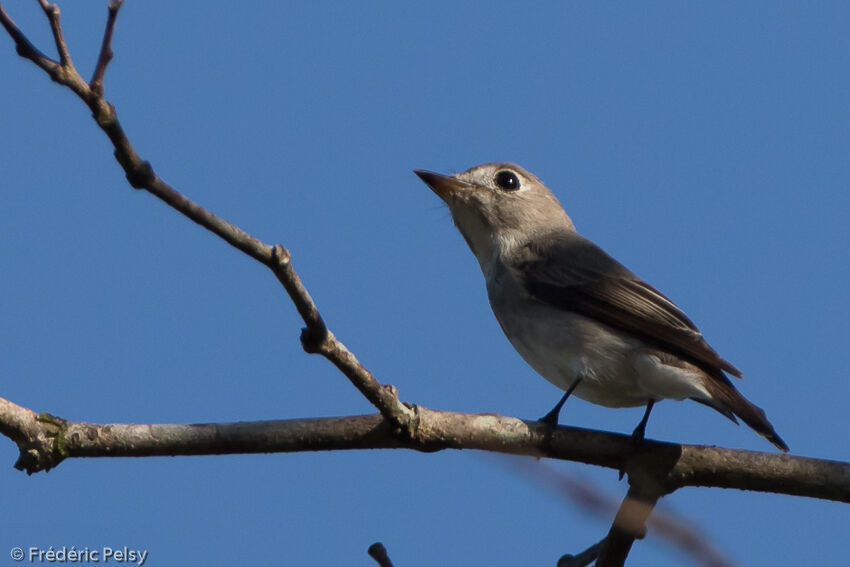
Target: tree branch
x,y
316,338
664,524
629,525
96,83
52,13
669,466
23,47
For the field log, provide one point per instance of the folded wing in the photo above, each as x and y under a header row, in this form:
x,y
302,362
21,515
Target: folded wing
x,y
575,274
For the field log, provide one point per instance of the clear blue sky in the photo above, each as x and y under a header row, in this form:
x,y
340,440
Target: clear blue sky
x,y
704,145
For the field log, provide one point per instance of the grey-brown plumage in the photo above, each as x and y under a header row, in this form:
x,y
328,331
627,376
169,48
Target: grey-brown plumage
x,y
576,315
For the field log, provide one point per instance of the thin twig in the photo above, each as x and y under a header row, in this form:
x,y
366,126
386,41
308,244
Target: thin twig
x,y
23,46
52,12
378,552
105,56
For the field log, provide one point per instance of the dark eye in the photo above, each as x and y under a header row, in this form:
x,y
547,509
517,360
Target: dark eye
x,y
507,180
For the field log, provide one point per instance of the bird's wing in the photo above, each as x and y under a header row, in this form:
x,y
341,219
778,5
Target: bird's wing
x,y
572,273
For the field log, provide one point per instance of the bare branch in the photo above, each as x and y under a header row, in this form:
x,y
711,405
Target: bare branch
x,y
629,525
36,440
316,337
96,83
666,525
672,466
24,47
52,12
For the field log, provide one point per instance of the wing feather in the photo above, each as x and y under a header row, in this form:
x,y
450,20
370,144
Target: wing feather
x,y
575,274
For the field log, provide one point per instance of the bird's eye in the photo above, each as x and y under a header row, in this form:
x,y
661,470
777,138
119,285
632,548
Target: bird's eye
x,y
506,180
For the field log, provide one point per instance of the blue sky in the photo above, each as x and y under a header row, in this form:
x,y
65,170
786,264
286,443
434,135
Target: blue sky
x,y
704,145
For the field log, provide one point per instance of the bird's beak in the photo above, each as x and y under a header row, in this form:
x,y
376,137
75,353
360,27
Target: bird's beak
x,y
443,185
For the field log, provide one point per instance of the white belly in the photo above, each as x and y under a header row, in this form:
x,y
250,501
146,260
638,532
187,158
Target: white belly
x,y
616,370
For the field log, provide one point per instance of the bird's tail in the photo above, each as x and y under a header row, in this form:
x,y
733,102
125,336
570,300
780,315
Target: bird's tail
x,y
726,397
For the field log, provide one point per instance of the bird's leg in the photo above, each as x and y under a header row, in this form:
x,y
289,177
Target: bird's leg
x,y
551,418
640,430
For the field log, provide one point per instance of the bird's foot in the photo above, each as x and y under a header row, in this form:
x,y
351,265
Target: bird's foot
x,y
551,418
638,435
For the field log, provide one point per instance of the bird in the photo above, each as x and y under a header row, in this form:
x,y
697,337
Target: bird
x,y
577,316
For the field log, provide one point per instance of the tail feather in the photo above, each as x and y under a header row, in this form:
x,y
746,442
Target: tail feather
x,y
724,394
718,408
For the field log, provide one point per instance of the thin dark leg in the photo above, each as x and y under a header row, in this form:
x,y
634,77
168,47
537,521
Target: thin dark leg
x,y
551,418
640,430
